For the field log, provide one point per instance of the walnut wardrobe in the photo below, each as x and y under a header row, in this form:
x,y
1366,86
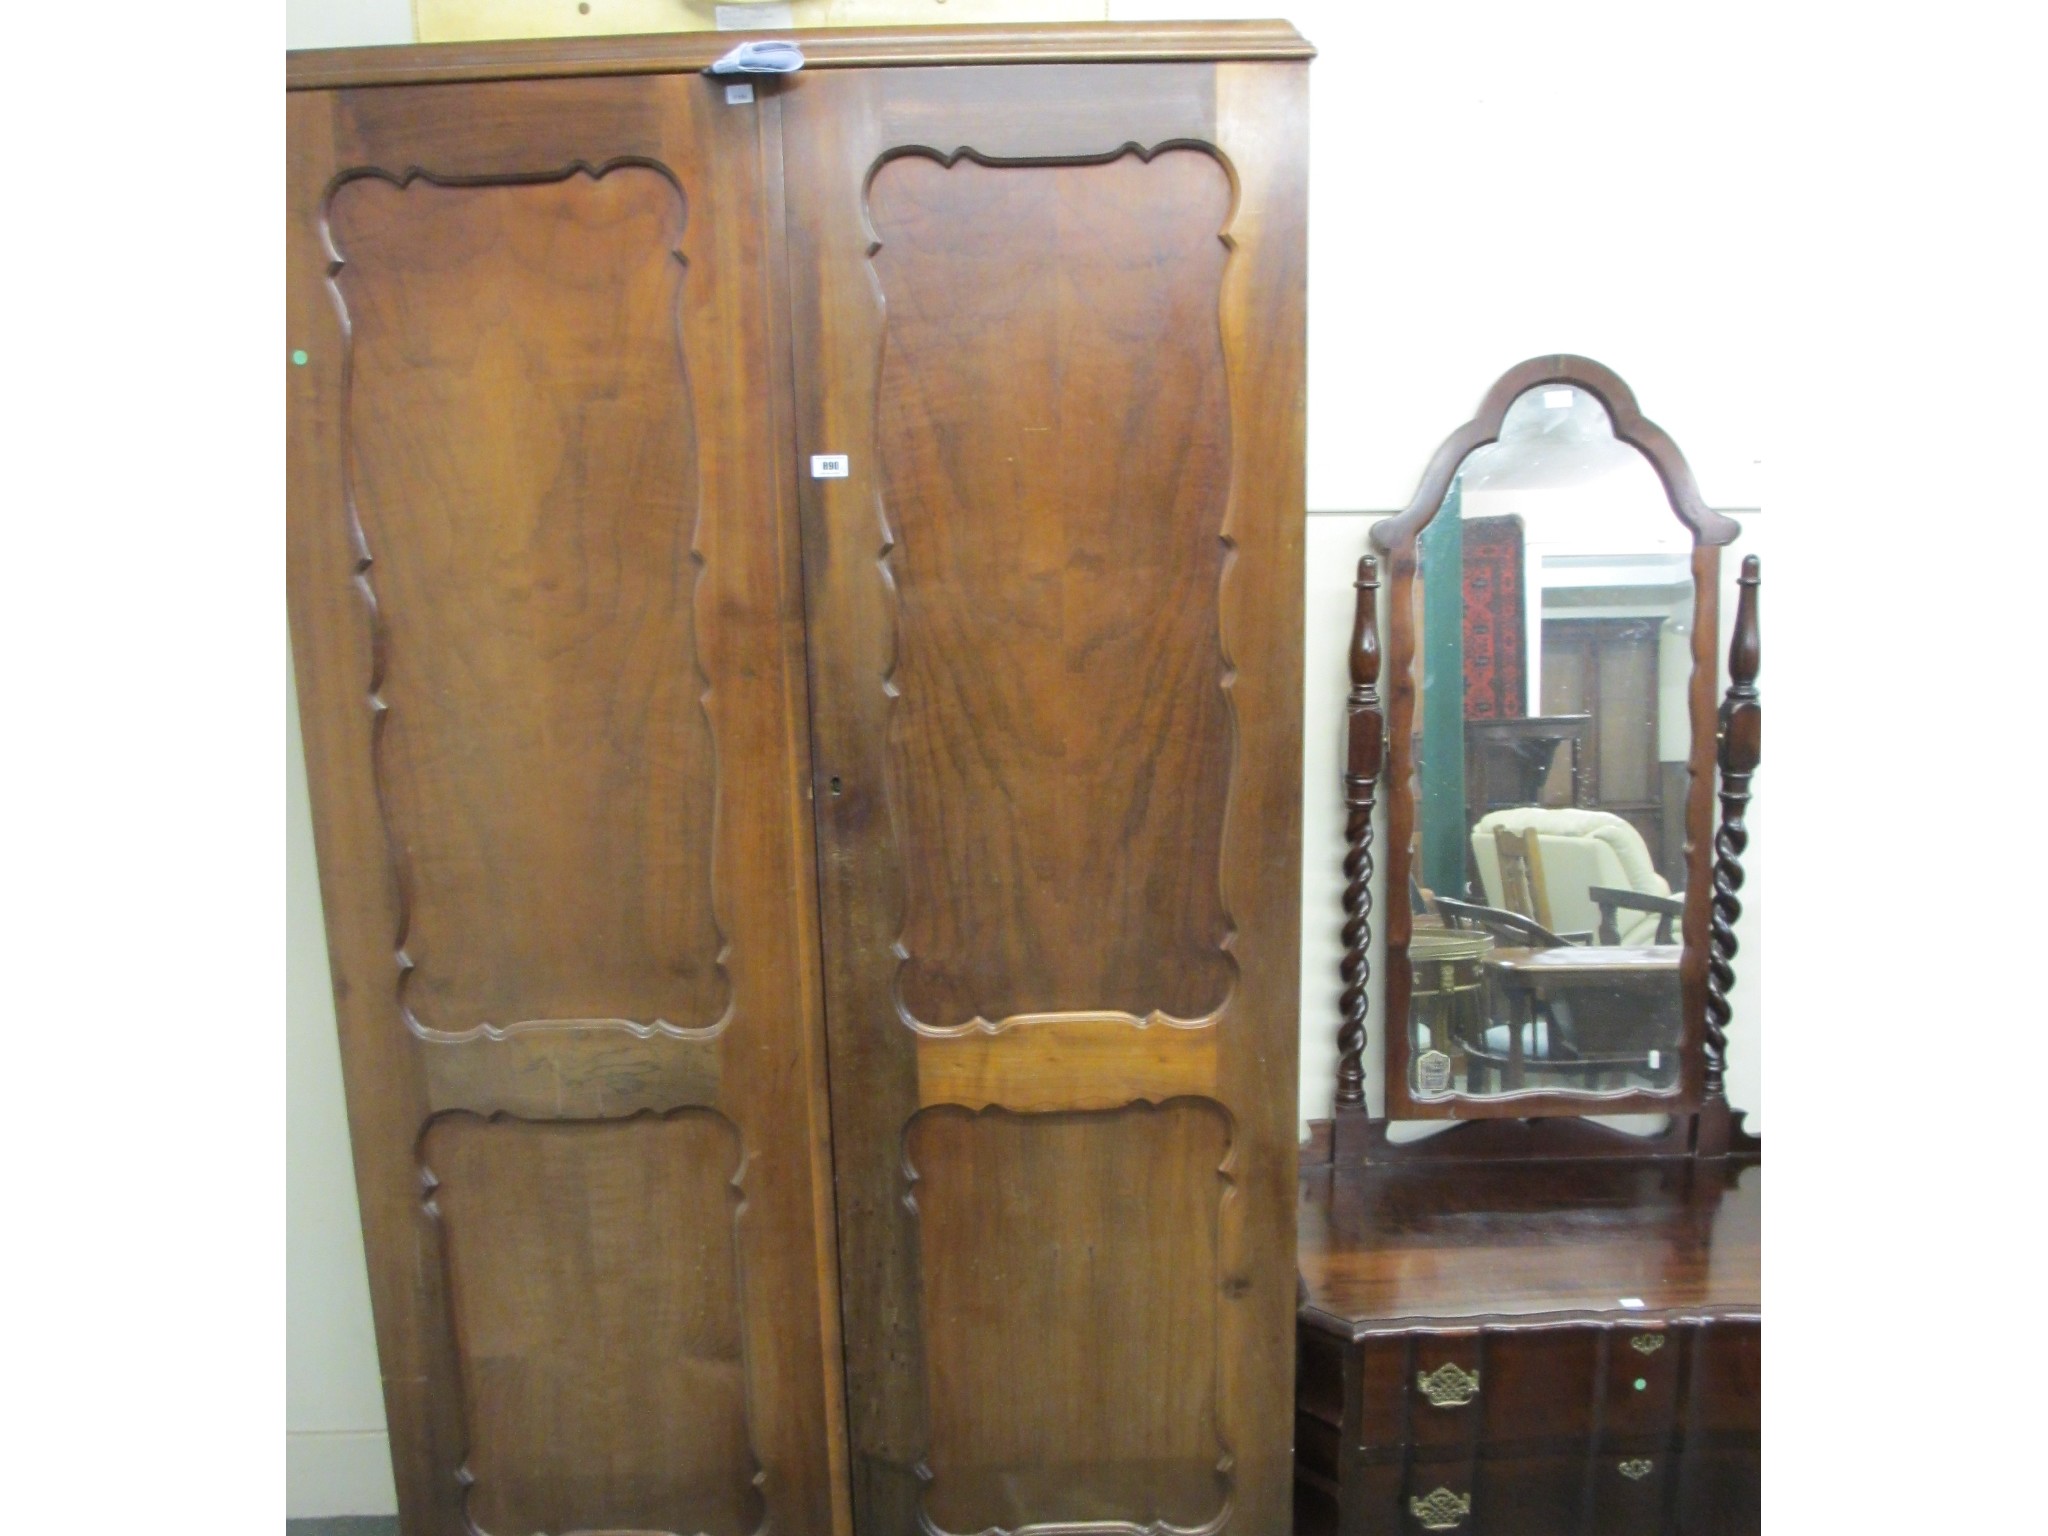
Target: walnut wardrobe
x,y
795,590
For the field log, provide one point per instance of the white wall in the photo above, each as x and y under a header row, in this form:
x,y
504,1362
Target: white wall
x,y
336,1458
346,23
1488,182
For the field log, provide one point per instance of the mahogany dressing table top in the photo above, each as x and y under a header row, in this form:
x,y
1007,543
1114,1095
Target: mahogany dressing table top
x,y
1393,1248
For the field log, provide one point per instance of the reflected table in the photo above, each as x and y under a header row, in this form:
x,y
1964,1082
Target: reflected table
x,y
1447,1001
1617,1006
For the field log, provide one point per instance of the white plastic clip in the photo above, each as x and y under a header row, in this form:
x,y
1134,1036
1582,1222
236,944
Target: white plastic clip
x,y
767,57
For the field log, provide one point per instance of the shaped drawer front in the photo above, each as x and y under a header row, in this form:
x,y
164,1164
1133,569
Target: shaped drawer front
x,y
1514,1496
1444,1385
1644,1368
1727,1377
1538,1386
1629,1493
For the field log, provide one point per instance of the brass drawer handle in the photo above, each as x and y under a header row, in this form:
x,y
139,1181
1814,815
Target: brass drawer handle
x,y
1647,1343
1449,1385
1443,1510
1637,1468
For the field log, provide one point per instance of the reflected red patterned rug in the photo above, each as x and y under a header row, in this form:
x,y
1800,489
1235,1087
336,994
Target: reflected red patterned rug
x,y
1495,624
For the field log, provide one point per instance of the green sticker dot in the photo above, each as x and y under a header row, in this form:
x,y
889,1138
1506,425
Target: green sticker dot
x,y
1642,1385
299,358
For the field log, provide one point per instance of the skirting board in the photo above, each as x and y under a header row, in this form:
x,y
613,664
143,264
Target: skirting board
x,y
338,1472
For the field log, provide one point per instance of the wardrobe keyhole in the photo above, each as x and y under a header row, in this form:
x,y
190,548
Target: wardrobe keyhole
x,y
835,784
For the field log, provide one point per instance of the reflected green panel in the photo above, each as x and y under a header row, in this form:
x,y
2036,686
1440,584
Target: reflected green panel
x,y
1440,767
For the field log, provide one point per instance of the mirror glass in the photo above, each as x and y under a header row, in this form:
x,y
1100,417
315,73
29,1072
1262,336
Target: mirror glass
x,y
1554,616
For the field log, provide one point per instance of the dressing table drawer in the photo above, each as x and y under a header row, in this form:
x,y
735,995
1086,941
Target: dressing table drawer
x,y
1527,1388
1564,1495
1442,1389
1595,1427
1719,1493
1527,1495
1629,1495
1492,1496
1515,1496
1726,1385
1643,1369
1499,1387
1538,1388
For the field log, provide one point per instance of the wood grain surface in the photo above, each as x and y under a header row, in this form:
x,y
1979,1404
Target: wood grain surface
x,y
547,625
1386,1247
515,363
581,657
580,1244
1055,490
1035,1246
1052,314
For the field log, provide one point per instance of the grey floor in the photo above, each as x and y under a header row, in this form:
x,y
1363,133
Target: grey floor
x,y
344,1525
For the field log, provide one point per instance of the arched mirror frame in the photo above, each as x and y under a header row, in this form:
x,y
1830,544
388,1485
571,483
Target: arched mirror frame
x,y
1396,539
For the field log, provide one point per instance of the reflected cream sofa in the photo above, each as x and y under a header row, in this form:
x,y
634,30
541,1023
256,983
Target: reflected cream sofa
x,y
1578,849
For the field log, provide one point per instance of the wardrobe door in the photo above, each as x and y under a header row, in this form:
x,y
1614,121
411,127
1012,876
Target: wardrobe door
x,y
1051,315
545,613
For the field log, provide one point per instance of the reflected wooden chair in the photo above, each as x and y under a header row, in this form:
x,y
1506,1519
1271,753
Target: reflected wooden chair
x,y
1611,900
1507,928
1522,888
1421,900
1556,857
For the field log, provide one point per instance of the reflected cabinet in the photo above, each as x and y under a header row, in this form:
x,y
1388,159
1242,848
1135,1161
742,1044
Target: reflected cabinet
x,y
796,604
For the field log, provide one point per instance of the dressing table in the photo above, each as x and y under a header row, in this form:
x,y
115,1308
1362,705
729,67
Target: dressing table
x,y
1515,1317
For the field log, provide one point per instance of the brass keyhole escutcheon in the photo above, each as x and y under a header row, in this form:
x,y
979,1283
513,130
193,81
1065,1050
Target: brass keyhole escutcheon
x,y
1442,1510
1449,1385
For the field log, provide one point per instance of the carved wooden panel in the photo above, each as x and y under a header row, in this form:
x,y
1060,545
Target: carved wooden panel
x,y
522,472
578,1242
1052,1238
1051,316
572,696
1054,466
547,620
